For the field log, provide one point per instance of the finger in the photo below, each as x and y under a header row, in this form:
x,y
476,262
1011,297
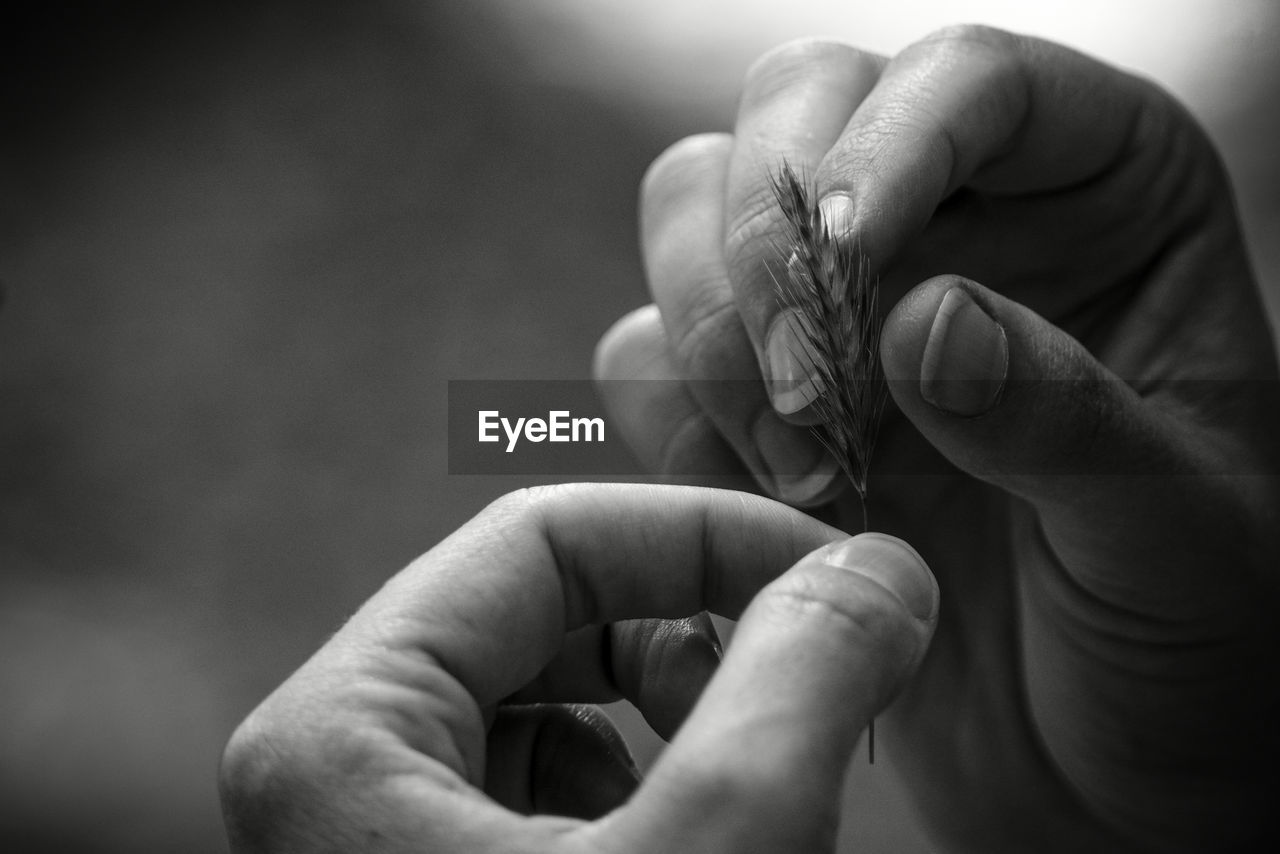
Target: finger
x,y
979,107
1012,399
1132,556
538,564
659,666
558,760
795,101
682,215
656,414
759,765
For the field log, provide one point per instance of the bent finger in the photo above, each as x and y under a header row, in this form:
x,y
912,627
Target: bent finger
x,y
1012,399
760,763
657,415
559,760
682,207
422,658
796,100
659,666
1003,113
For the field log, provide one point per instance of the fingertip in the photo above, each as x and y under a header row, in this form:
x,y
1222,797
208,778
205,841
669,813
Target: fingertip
x,y
633,342
564,760
684,164
966,357
945,344
793,382
891,563
820,651
838,214
663,666
796,470
905,332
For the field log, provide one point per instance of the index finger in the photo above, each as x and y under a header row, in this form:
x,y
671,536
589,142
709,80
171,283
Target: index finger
x,y
1002,113
795,103
490,606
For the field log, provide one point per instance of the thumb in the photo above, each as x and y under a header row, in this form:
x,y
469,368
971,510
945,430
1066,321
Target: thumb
x,y
760,762
1013,400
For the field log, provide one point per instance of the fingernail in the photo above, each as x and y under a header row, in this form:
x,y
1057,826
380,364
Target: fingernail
x,y
705,627
894,565
837,214
965,359
792,384
805,488
799,469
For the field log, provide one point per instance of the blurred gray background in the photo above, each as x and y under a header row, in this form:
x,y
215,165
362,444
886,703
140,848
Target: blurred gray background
x,y
243,246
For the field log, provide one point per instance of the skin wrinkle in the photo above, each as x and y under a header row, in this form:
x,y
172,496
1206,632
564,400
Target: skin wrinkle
x,y
780,73
463,721
878,627
1016,669
1012,649
580,603
956,46
752,236
1024,711
1096,606
683,160
1142,306
703,353
1021,94
1009,76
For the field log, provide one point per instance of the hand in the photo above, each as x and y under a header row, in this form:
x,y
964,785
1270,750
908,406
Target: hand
x,y
1082,446
430,721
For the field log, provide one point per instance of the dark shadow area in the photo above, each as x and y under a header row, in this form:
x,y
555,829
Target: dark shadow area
x,y
245,246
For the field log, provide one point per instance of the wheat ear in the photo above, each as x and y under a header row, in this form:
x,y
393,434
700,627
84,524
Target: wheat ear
x,y
829,284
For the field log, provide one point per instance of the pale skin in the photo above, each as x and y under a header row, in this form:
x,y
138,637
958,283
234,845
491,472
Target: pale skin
x,y
432,721
1104,675
1103,672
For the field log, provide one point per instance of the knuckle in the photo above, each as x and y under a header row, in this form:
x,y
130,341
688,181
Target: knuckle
x,y
671,172
279,780
754,229
237,771
253,783
999,58
530,501
707,346
649,654
967,39
1182,168
630,346
529,505
780,70
514,504
754,243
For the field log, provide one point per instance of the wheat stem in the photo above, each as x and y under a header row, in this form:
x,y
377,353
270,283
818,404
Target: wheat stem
x,y
829,283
